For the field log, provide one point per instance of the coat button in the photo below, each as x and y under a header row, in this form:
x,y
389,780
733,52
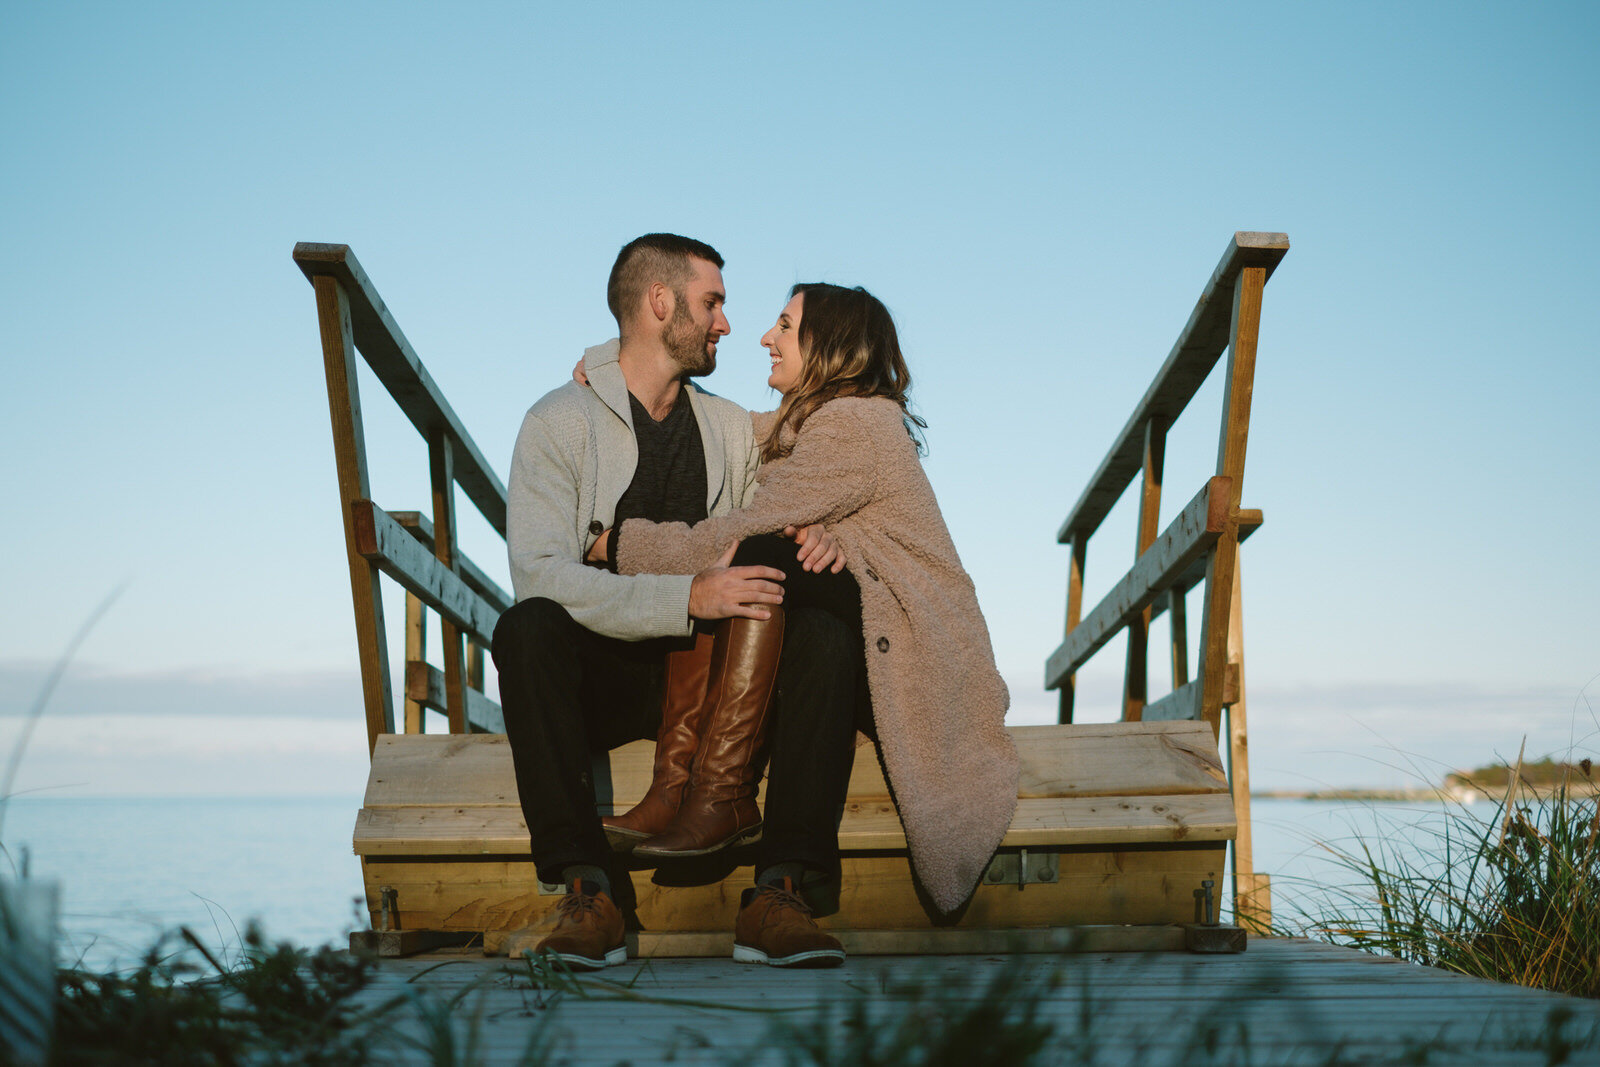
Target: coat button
x,y
883,644
596,527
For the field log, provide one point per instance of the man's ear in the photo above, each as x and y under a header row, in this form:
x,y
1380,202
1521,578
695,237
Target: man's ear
x,y
661,299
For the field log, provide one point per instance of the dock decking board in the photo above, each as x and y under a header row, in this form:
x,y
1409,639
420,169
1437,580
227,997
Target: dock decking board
x,y
1297,1002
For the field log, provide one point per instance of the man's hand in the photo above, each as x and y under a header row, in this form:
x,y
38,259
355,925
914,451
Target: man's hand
x,y
599,552
818,548
722,591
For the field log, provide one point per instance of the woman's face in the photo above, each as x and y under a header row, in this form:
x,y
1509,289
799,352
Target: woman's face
x,y
783,344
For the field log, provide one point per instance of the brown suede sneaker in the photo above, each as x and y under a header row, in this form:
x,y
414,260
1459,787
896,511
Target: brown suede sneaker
x,y
588,934
775,927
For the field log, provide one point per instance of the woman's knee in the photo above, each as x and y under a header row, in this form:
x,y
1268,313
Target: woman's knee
x,y
765,550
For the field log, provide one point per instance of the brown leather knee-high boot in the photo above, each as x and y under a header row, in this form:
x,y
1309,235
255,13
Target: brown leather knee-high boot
x,y
683,708
719,808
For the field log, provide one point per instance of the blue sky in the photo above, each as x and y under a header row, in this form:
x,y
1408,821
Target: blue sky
x,y
1038,191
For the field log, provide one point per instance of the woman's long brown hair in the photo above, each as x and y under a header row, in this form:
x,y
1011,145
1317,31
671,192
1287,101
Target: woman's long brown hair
x,y
849,347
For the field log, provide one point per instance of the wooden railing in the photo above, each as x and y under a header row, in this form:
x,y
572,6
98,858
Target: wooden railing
x,y
418,551
1200,544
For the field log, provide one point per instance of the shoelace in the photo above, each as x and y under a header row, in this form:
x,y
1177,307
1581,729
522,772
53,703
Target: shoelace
x,y
781,898
574,904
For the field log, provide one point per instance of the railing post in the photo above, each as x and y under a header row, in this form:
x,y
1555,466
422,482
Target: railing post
x,y
1178,623
442,471
1080,554
350,457
1240,385
1136,682
416,650
1252,898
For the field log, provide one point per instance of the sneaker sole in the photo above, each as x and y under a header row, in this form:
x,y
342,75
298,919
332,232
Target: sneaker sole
x,y
747,837
817,957
589,963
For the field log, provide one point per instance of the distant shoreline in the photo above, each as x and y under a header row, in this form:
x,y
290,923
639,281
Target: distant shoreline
x,y
1459,794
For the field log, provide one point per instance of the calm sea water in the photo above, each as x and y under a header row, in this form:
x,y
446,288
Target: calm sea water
x,y
132,868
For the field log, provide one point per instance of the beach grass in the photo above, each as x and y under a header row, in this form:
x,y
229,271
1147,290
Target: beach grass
x,y
1512,897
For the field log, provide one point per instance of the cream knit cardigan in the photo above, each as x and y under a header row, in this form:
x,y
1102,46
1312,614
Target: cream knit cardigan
x,y
575,457
938,701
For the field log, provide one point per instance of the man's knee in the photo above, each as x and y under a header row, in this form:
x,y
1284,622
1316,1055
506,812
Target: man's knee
x,y
533,623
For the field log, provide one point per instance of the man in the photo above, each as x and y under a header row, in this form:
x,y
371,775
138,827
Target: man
x,y
589,659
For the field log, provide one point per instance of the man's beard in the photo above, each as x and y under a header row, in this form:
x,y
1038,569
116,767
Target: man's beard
x,y
687,343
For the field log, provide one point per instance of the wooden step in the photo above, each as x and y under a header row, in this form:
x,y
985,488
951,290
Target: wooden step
x,y
439,830
1099,759
1121,822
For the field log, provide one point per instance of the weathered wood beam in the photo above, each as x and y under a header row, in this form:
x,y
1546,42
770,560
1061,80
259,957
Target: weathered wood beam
x,y
1249,521
1069,684
1136,681
388,544
1195,529
1180,705
1203,340
433,830
425,684
395,363
350,460
421,528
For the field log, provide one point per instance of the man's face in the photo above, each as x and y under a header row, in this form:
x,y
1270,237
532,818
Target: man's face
x,y
697,322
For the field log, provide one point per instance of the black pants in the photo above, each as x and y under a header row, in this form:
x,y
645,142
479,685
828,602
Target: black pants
x,y
569,693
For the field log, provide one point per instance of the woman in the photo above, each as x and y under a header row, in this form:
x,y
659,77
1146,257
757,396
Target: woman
x,y
840,451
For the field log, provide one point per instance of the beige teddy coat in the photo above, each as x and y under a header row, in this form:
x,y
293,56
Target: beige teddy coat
x,y
938,701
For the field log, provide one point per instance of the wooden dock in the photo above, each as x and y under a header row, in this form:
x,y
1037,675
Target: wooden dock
x,y
1284,1001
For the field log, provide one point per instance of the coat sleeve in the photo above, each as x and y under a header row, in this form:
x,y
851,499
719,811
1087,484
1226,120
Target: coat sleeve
x,y
831,473
547,556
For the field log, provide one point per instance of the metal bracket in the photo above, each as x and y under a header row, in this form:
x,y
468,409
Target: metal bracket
x,y
1021,867
552,889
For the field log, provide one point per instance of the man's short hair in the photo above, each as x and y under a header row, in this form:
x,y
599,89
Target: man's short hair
x,y
655,257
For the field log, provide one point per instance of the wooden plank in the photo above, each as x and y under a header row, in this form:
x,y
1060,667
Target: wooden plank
x,y
1233,438
442,477
421,528
1092,760
392,944
1180,705
1183,703
393,360
941,942
1069,684
1199,345
1083,760
425,684
1194,530
386,543
869,825
1252,899
1178,623
1248,521
1135,683
350,460
416,644
876,892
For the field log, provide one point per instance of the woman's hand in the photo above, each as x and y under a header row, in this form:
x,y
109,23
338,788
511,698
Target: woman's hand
x,y
578,375
599,552
819,549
